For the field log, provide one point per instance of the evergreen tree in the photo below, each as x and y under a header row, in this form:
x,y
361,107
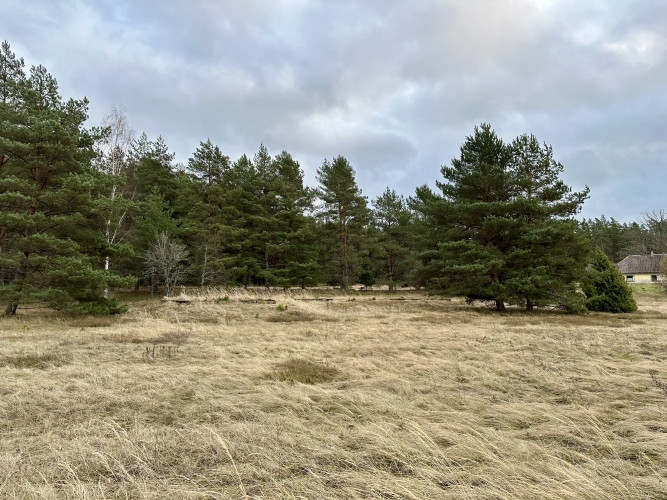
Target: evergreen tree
x,y
203,224
242,250
471,214
151,168
426,233
291,257
548,252
392,219
268,233
50,243
345,217
156,189
605,287
504,226
616,240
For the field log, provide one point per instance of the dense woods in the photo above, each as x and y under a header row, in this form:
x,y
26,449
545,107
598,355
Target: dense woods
x,y
84,210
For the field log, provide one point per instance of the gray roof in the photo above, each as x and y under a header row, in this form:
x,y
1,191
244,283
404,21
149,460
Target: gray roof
x,y
635,264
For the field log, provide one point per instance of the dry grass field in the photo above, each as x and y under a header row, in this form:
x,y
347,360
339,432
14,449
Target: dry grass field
x,y
370,398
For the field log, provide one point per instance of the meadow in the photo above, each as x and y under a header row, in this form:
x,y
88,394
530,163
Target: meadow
x,y
272,395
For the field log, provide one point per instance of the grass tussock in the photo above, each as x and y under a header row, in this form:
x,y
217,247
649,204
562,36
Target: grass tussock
x,y
293,316
33,361
399,399
305,371
175,337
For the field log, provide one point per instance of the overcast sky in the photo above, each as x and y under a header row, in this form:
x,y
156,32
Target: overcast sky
x,y
395,86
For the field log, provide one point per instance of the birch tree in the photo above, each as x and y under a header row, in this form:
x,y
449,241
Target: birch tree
x,y
113,162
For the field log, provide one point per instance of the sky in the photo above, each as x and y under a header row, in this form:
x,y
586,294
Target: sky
x,y
395,86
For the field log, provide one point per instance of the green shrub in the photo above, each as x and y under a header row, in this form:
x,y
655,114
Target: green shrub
x,y
605,287
96,306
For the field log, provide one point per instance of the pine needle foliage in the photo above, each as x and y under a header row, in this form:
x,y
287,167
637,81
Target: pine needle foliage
x,y
605,288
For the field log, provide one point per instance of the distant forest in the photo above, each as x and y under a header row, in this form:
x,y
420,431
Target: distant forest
x,y
86,210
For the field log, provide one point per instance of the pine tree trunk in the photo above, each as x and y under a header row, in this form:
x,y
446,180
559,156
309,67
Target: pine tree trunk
x,y
500,305
203,271
529,304
10,310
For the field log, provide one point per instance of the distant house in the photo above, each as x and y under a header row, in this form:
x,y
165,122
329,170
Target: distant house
x,y
641,268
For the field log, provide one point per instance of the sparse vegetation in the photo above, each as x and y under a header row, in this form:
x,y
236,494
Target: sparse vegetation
x,y
418,398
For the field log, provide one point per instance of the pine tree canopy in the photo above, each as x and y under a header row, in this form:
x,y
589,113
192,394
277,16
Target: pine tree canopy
x,y
502,225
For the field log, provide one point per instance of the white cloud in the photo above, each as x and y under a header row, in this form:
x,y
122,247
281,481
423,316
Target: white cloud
x,y
640,47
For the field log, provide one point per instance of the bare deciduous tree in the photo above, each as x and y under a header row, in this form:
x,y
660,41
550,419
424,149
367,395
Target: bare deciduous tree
x,y
655,223
165,260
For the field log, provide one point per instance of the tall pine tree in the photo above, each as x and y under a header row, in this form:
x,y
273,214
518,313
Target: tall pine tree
x,y
504,226
344,216
50,243
471,217
393,219
549,251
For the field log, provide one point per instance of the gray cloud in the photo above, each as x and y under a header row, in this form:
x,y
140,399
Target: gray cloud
x,y
394,86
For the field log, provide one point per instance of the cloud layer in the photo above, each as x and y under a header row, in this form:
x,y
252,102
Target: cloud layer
x,y
395,86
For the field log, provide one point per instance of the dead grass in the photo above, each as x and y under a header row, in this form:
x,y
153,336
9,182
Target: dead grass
x,y
305,371
414,399
32,361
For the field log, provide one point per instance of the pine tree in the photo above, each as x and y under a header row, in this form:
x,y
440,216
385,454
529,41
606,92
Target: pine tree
x,y
156,191
548,253
471,215
504,225
345,217
240,257
290,255
50,243
203,224
267,233
392,219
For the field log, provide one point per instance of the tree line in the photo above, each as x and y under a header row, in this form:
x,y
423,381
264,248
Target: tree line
x,y
85,210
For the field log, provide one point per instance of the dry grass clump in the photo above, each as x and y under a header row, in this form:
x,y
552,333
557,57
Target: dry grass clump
x,y
305,371
396,400
291,317
176,337
33,361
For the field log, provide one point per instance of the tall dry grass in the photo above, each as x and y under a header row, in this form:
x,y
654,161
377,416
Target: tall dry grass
x,y
354,398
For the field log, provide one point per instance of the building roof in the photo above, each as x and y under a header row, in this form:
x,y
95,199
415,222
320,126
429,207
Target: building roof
x,y
641,264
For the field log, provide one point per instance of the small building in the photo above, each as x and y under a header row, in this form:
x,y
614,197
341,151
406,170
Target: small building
x,y
641,268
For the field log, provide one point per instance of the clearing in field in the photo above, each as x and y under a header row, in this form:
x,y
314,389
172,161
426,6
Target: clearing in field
x,y
357,397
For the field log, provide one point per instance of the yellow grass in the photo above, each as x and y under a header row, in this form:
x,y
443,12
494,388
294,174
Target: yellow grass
x,y
368,398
